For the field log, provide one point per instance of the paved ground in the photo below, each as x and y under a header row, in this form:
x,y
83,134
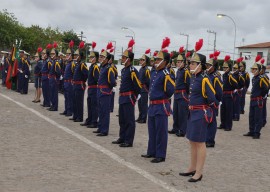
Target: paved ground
x,y
43,151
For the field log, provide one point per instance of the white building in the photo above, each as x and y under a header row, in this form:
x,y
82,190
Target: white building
x,y
249,52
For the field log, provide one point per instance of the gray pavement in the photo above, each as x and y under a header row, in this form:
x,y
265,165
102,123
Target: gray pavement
x,y
44,151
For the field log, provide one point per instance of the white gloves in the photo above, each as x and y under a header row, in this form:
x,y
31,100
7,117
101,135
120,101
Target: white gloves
x,y
5,71
235,91
139,96
61,77
114,89
26,76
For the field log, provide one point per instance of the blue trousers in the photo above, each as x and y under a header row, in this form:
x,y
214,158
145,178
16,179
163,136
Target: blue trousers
x,y
158,135
236,106
243,100
78,103
46,92
92,108
255,119
20,82
68,94
180,115
4,77
226,112
127,122
25,82
264,115
53,93
112,101
211,131
104,113
143,106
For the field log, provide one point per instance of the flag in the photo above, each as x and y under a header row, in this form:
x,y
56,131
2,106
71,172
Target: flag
x,y
11,68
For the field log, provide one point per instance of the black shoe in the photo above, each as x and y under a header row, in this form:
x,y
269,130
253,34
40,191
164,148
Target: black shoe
x,y
158,160
242,112
102,134
78,120
227,129
195,180
249,134
52,109
72,119
180,134
84,124
187,174
220,127
256,137
68,115
64,113
118,141
125,145
210,145
49,108
235,119
92,126
147,156
141,121
172,132
97,131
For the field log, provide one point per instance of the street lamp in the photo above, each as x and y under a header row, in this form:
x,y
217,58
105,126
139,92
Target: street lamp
x,y
187,41
126,28
219,15
215,33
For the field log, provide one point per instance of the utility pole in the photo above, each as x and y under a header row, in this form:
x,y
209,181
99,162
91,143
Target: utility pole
x,y
183,34
215,33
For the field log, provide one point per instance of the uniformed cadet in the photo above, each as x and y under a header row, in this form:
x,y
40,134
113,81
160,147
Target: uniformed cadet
x,y
44,76
79,79
5,66
265,76
92,81
244,74
229,85
68,76
258,91
116,76
215,78
169,66
144,77
106,82
202,98
37,74
129,90
54,75
62,67
237,92
25,73
180,104
161,89
20,72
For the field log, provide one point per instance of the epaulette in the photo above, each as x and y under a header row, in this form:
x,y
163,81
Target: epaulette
x,y
204,74
166,72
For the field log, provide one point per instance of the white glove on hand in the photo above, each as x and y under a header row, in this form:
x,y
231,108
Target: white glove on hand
x,y
114,89
21,71
5,71
61,77
265,97
26,76
139,96
235,91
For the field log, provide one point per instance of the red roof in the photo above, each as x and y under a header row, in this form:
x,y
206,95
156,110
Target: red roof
x,y
258,45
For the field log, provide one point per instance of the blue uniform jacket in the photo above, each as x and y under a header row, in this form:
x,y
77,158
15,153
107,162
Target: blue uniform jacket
x,y
259,90
69,70
45,68
129,83
182,82
161,88
229,84
106,80
172,72
247,79
26,67
38,67
93,75
55,69
144,77
80,75
240,80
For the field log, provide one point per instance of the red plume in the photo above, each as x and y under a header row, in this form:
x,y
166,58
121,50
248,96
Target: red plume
x,y
55,45
227,58
165,50
94,44
39,49
147,51
71,44
102,50
155,53
216,53
211,56
171,55
199,45
181,50
258,58
188,54
131,43
215,58
238,60
166,42
49,46
111,50
81,45
262,61
109,46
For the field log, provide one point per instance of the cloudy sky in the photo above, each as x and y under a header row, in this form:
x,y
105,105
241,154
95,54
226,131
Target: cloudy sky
x,y
151,21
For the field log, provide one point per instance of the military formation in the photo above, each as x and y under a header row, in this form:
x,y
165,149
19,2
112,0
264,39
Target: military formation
x,y
197,89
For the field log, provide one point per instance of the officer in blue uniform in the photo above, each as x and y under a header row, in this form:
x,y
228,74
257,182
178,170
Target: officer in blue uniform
x,y
237,92
170,69
215,78
20,72
129,89
44,76
62,67
37,74
246,76
5,68
68,76
116,76
54,75
161,89
229,85
92,103
25,73
144,77
79,79
202,98
106,82
258,91
180,104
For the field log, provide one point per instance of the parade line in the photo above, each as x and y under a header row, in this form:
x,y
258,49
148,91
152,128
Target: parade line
x,y
98,147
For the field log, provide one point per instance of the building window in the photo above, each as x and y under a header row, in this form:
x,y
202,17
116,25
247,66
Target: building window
x,y
260,53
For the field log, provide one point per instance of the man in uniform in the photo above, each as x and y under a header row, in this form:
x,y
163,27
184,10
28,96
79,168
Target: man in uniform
x,y
106,82
20,74
116,76
79,79
144,77
258,91
92,81
245,88
180,104
68,76
161,89
129,89
25,73
229,85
